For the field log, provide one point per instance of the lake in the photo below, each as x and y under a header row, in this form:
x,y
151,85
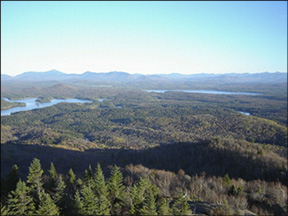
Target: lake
x,y
32,104
244,113
205,92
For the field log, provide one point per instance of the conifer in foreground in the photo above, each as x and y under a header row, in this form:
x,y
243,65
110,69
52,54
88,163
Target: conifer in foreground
x,y
116,190
34,179
19,201
101,190
47,206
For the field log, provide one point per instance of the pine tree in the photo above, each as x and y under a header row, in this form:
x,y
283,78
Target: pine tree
x,y
143,196
138,191
19,201
71,176
135,200
34,178
101,191
47,206
116,190
89,201
164,208
88,175
149,205
63,198
137,196
71,188
58,197
94,200
79,184
78,204
52,176
180,206
12,178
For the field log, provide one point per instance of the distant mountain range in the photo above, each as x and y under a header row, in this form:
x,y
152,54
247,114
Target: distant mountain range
x,y
54,75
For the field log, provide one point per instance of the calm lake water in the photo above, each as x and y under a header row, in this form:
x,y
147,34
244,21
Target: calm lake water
x,y
32,104
244,113
205,92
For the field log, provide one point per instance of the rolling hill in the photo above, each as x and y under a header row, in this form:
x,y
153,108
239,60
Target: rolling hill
x,y
116,77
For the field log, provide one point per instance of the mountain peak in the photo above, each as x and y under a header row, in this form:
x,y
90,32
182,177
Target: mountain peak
x,y
53,71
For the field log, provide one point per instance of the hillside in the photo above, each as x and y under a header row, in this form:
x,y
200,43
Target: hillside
x,y
199,144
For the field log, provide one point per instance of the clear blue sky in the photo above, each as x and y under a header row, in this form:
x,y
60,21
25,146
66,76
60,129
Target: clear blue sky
x,y
144,37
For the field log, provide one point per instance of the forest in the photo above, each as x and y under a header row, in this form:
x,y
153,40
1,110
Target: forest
x,y
145,153
7,105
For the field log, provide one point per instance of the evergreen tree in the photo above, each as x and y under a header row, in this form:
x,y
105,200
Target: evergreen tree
x,y
180,206
79,184
164,208
101,191
116,190
134,200
47,206
52,176
149,205
63,198
138,191
12,178
88,175
71,176
89,201
19,201
143,196
34,178
59,194
71,182
78,204
137,196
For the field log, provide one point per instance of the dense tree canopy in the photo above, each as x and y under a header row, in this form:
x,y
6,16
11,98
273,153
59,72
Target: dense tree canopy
x,y
141,192
226,162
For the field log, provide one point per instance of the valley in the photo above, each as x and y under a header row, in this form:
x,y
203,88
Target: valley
x,y
180,140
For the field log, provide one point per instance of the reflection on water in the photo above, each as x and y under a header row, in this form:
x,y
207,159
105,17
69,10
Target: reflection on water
x,y
32,104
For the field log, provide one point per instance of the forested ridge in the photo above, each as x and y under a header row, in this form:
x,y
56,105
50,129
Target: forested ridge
x,y
167,145
140,191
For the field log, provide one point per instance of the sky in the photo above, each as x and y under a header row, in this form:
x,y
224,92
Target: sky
x,y
144,37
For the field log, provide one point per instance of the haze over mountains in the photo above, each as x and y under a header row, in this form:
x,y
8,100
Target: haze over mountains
x,y
115,76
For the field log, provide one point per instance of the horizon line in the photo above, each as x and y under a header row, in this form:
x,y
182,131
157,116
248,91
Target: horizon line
x,y
141,73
